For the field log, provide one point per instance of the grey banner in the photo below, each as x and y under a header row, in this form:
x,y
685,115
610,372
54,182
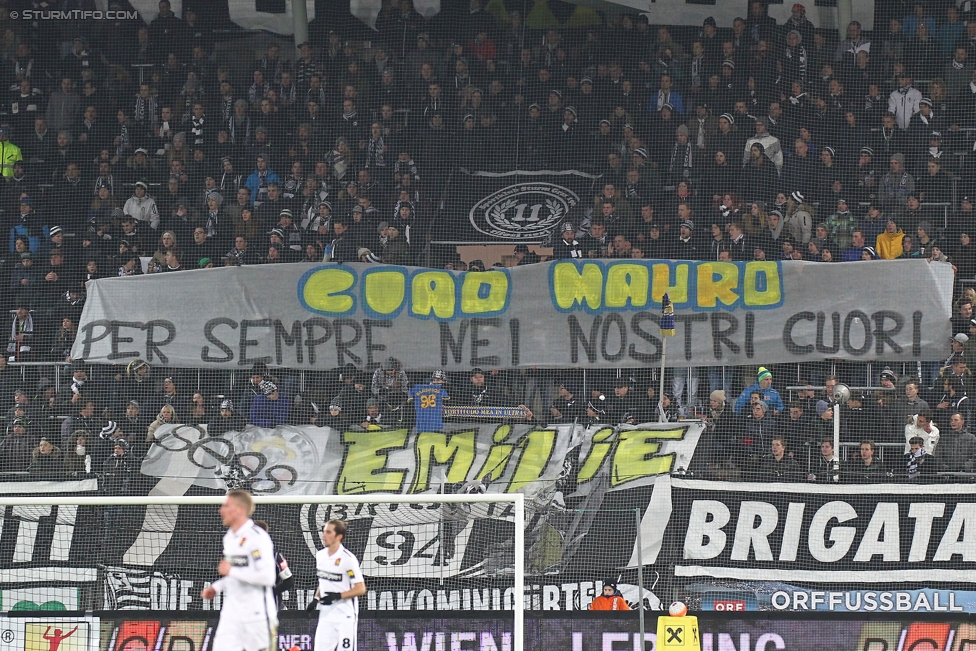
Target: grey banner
x,y
561,314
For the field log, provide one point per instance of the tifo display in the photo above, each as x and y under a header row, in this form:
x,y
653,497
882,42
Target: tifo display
x,y
495,326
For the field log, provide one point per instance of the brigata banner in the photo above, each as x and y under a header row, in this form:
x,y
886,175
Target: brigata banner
x,y
562,314
842,534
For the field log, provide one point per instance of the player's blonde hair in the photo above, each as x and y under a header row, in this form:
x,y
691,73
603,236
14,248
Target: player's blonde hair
x,y
243,498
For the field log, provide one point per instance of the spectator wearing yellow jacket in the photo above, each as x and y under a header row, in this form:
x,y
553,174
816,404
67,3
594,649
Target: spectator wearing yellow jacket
x,y
888,243
9,152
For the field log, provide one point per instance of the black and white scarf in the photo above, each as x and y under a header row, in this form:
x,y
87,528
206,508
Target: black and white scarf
x,y
240,129
226,108
231,181
124,140
213,220
102,182
662,99
146,110
196,131
697,70
374,153
18,327
686,160
288,95
915,462
23,68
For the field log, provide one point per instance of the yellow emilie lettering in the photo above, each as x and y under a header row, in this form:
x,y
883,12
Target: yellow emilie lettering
x,y
364,468
634,457
536,451
497,285
324,291
498,455
627,282
598,453
456,450
756,296
433,291
717,282
661,283
573,286
384,291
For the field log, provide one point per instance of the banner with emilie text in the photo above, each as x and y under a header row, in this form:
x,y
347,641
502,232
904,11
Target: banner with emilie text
x,y
592,496
588,314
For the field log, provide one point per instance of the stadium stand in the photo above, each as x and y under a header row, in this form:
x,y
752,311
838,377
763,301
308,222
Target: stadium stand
x,y
149,149
132,149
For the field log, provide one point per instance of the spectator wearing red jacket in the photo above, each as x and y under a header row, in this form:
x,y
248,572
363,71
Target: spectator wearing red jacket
x,y
611,599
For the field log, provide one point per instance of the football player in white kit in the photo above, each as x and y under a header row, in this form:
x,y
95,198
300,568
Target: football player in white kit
x,y
340,585
248,616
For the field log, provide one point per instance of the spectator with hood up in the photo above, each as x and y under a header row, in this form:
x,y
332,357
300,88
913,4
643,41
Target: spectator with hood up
x,y
610,598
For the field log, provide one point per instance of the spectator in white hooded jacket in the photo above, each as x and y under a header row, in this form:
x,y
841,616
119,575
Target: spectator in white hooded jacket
x,y
770,143
903,101
922,426
142,207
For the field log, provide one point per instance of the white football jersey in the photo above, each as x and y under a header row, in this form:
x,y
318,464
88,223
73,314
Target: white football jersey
x,y
337,573
247,589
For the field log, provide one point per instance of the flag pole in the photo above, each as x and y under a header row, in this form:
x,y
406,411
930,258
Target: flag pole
x,y
661,417
667,330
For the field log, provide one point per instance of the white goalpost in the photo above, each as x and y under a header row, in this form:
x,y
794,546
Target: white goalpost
x,y
468,549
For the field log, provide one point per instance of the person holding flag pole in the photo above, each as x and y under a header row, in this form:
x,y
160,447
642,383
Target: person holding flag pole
x,y
667,330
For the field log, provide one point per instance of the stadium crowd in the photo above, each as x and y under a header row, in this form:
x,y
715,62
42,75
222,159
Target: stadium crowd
x,y
904,430
763,141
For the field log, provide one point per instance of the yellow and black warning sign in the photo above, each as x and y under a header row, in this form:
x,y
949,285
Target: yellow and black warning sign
x,y
678,634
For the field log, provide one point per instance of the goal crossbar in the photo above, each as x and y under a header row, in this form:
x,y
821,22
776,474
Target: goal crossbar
x,y
516,499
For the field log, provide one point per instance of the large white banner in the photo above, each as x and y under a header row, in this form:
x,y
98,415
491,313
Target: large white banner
x,y
563,314
682,12
242,12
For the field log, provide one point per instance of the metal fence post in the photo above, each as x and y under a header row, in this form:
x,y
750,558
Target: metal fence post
x,y
640,580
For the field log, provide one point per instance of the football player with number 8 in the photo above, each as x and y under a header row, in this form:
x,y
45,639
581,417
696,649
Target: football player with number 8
x,y
337,597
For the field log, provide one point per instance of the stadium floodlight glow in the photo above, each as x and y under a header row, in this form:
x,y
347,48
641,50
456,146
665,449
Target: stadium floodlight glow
x,y
464,506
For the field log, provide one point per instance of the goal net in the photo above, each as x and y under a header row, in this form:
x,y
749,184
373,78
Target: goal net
x,y
417,552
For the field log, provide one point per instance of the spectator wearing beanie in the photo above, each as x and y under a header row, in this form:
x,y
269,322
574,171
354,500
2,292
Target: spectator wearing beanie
x,y
269,408
764,385
889,243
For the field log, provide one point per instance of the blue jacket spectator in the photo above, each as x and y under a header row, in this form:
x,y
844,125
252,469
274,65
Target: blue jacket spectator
x,y
26,225
269,409
764,385
259,179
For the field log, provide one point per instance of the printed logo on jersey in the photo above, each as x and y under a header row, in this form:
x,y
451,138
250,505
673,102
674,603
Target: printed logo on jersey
x,y
350,573
523,209
256,554
338,560
330,576
238,561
